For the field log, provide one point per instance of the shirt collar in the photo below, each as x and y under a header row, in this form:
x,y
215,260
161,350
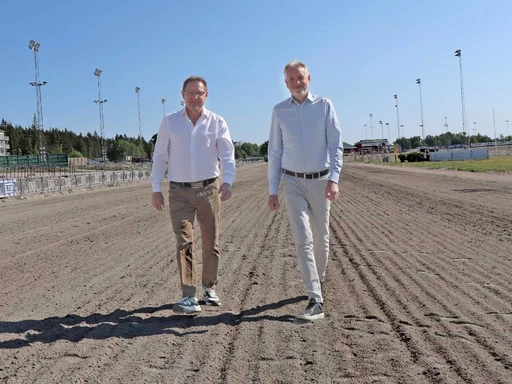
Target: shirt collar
x,y
309,97
204,115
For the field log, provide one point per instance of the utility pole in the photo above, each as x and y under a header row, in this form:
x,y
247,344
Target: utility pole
x,y
100,102
34,46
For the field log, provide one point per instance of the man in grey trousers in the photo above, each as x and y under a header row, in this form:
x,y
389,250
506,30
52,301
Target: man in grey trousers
x,y
305,154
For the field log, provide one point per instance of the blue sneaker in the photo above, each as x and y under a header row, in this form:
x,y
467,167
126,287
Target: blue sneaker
x,y
188,305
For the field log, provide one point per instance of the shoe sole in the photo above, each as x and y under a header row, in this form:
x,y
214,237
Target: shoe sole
x,y
213,303
311,318
179,309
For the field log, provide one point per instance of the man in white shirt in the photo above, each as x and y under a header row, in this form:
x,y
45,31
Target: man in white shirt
x,y
305,153
190,144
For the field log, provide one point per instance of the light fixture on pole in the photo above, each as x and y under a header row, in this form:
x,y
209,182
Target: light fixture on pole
x,y
371,123
100,102
397,116
163,103
34,46
137,89
458,54
403,133
365,132
446,124
418,81
381,129
387,124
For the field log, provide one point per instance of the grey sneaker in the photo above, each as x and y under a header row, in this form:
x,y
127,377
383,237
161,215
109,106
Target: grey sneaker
x,y
187,305
314,311
210,297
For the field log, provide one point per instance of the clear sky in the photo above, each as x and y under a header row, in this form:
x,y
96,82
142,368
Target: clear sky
x,y
360,53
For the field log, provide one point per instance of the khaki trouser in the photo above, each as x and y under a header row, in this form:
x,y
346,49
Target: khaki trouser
x,y
308,211
185,204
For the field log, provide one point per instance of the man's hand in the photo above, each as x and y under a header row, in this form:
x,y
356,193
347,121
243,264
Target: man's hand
x,y
157,200
273,203
331,190
225,192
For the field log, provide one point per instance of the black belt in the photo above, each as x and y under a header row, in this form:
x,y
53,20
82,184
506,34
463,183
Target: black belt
x,y
196,184
310,175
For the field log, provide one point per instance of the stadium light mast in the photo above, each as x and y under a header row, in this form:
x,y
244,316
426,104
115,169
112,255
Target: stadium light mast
x,y
100,102
387,124
418,81
365,132
458,54
163,104
397,116
34,46
371,123
446,124
137,89
508,130
381,129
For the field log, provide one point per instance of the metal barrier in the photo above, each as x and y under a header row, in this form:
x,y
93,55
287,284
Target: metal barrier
x,y
47,184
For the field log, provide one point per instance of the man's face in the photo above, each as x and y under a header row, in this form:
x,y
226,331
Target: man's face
x,y
297,80
195,95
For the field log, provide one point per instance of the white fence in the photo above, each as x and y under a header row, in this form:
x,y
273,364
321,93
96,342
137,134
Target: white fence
x,y
460,154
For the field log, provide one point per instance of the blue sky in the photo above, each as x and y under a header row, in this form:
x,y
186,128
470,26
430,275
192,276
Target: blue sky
x,y
360,53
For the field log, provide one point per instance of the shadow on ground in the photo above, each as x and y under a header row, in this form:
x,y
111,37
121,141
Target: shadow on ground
x,y
129,324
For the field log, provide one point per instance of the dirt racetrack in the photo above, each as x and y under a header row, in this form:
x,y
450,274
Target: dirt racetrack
x,y
418,290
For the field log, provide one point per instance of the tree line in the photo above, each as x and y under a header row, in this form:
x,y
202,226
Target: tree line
x,y
447,138
25,141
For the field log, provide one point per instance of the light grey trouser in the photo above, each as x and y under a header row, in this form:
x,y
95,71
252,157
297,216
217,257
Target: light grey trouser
x,y
308,211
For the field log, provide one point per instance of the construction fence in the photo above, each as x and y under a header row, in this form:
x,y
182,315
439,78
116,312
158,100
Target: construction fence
x,y
48,184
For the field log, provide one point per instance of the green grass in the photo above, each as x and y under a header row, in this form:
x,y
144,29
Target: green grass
x,y
493,164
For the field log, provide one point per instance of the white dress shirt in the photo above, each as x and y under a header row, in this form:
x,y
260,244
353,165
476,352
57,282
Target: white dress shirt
x,y
304,138
192,153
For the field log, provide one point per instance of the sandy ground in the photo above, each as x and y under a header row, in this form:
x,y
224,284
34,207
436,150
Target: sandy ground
x,y
419,287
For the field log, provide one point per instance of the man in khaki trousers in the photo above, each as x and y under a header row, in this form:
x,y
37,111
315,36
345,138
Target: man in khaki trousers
x,y
190,145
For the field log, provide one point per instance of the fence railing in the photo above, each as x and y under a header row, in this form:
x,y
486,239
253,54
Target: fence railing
x,y
47,184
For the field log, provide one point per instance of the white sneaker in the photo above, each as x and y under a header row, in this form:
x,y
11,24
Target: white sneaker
x,y
210,297
187,305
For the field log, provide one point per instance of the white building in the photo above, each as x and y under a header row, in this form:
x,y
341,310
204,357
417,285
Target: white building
x,y
4,144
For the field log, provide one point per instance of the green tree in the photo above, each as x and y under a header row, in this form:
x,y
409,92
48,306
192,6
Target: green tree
x,y
264,149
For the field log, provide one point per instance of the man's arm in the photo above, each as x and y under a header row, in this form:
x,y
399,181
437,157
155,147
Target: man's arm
x,y
334,142
160,159
226,155
274,154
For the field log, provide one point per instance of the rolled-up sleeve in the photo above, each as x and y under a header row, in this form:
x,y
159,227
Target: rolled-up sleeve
x,y
275,154
226,153
160,157
334,142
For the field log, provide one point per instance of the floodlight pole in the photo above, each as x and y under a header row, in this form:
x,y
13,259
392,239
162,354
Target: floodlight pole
x,y
137,89
418,81
100,102
34,46
397,116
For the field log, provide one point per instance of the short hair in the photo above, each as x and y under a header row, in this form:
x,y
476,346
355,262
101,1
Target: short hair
x,y
195,78
295,64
